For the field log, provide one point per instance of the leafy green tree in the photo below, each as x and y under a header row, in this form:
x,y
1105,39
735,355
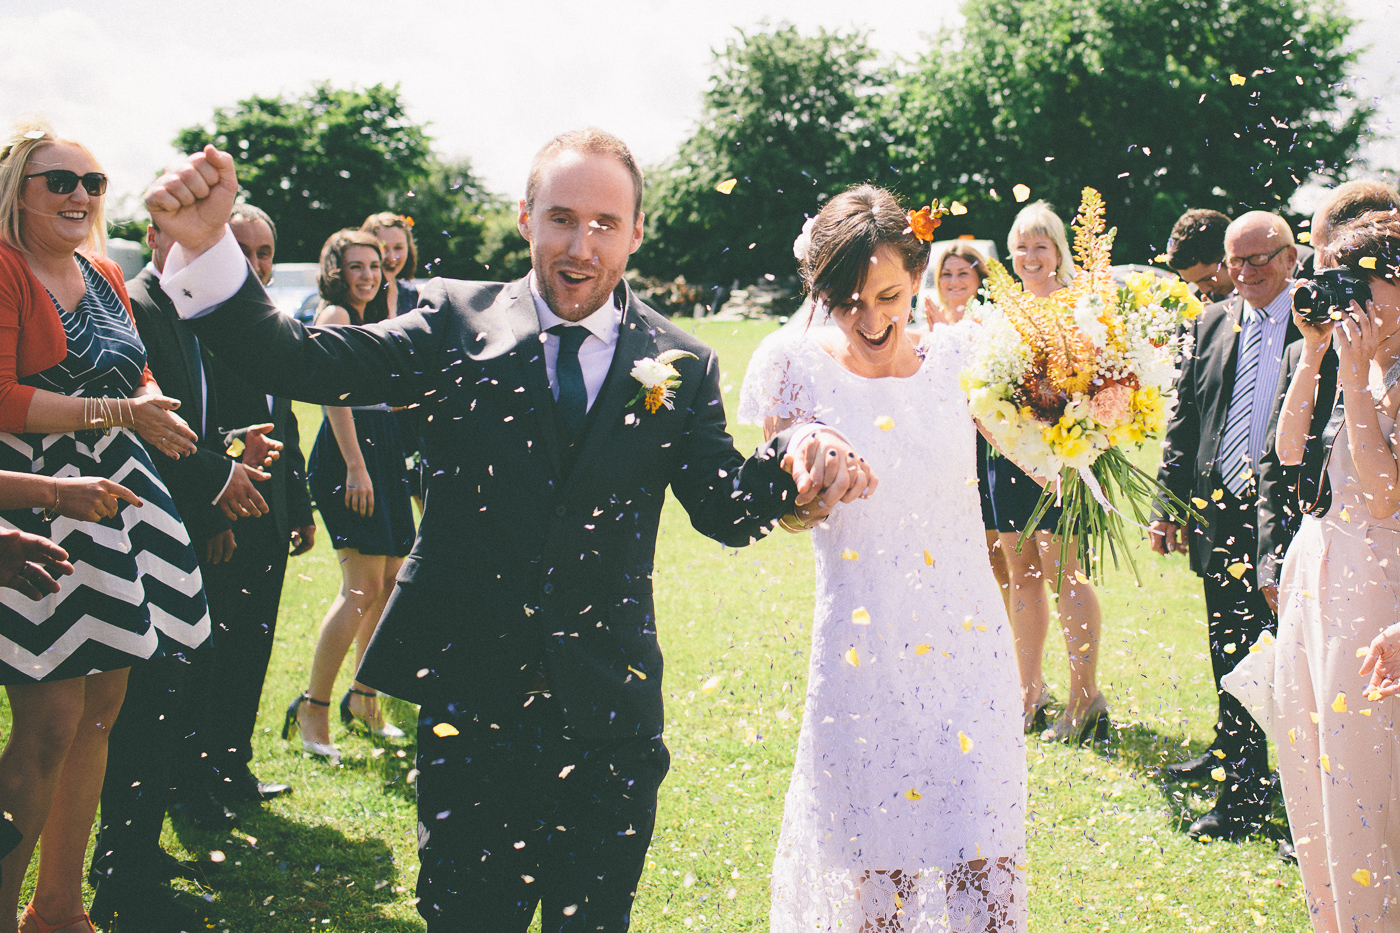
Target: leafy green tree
x,y
1160,104
786,117
319,162
459,226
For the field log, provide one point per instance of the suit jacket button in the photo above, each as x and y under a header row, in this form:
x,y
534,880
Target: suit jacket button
x,y
560,511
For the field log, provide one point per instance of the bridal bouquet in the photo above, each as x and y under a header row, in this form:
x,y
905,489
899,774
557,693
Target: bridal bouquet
x,y
1068,385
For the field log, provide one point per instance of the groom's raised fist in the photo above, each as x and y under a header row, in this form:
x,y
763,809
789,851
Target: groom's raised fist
x,y
193,199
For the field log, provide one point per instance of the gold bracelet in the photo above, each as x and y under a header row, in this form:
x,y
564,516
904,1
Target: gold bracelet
x,y
786,520
52,513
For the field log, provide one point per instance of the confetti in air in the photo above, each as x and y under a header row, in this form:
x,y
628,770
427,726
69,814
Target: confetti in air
x,y
727,185
1022,193
444,730
884,423
860,617
964,742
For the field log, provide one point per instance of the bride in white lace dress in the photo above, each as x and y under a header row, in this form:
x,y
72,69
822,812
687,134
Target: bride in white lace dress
x,y
907,803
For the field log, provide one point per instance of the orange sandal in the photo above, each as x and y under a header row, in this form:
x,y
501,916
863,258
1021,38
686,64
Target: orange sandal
x,y
45,927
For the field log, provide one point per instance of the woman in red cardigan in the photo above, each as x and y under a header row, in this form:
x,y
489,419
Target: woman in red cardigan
x,y
75,395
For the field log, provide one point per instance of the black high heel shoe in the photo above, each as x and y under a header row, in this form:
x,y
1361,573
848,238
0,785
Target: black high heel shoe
x,y
324,749
386,730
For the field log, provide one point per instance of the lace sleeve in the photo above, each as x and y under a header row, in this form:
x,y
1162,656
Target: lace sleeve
x,y
776,384
953,343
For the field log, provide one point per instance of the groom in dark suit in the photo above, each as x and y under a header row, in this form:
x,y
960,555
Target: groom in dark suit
x,y
523,621
1226,393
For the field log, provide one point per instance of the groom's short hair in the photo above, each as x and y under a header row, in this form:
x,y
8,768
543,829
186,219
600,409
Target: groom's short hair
x,y
590,141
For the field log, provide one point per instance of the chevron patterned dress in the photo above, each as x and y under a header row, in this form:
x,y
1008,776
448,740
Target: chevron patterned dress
x,y
136,591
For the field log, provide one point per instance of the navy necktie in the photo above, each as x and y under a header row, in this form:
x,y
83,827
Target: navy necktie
x,y
572,401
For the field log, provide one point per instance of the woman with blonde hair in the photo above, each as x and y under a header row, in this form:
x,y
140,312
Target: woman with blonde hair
x,y
360,484
1041,258
76,400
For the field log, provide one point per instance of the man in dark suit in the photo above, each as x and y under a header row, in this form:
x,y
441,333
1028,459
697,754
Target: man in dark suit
x,y
1226,394
523,621
246,590
129,868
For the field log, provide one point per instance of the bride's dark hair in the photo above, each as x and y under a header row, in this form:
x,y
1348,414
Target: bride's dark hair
x,y
847,233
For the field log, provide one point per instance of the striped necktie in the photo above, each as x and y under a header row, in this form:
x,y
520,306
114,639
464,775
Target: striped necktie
x,y
1236,460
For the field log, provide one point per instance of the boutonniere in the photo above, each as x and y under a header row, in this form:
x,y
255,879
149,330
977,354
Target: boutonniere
x,y
659,379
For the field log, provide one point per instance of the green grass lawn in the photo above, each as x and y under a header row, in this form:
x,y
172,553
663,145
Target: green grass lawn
x,y
1107,840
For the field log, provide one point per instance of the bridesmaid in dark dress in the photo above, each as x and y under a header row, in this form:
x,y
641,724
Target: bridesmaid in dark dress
x,y
1040,257
360,484
395,235
74,396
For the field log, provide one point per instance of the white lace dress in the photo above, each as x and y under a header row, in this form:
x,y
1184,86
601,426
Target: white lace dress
x,y
907,805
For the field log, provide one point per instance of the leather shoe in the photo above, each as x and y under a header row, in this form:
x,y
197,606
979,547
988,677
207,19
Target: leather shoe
x,y
205,810
162,868
1194,771
143,907
246,787
1241,811
1286,853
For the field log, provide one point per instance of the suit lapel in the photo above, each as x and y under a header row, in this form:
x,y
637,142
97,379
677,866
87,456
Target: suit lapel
x,y
525,324
188,346
634,341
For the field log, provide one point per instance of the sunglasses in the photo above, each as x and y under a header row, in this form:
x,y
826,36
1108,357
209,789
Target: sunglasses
x,y
62,181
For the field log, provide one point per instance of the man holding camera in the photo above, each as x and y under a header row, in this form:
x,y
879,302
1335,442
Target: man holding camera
x,y
1226,394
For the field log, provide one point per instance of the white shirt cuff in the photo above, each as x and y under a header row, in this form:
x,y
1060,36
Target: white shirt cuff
x,y
233,465
199,285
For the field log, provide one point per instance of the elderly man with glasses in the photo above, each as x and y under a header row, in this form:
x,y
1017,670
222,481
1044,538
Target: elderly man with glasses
x,y
1226,392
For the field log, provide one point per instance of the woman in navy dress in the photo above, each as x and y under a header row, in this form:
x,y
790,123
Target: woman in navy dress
x,y
74,396
1040,257
360,484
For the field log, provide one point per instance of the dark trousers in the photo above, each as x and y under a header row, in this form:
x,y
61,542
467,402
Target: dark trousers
x,y
244,594
518,816
141,759
1237,614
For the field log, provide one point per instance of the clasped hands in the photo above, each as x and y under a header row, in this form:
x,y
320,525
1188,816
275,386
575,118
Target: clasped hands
x,y
826,470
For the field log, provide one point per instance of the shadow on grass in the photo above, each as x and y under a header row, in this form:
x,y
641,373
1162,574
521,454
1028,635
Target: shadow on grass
x,y
280,874
1145,752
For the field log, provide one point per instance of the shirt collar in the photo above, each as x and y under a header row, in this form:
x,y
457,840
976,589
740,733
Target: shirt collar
x,y
602,323
1277,311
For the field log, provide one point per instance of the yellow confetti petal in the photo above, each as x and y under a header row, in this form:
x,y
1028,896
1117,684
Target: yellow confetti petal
x,y
1079,575
1218,753
1373,694
1365,712
922,649
1303,841
1218,773
884,423
1362,877
1339,705
1314,717
1230,649
967,624
928,558
1326,763
860,616
1237,80
711,685
1293,736
912,794
957,209
852,658
235,447
1236,570
1267,638
445,730
1021,192
1346,515
1305,237
1367,262
964,742
849,554
1362,652
727,185
981,628
640,675
1217,495
1198,502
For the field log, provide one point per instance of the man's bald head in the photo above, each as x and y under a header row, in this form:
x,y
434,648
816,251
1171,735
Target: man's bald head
x,y
1345,203
1260,255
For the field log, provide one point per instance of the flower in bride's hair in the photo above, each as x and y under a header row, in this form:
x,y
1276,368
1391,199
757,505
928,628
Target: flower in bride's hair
x,y
924,221
804,240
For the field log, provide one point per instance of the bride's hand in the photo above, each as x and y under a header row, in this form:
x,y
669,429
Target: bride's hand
x,y
826,468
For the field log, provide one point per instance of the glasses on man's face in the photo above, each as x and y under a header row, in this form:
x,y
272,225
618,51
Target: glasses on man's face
x,y
62,181
1256,261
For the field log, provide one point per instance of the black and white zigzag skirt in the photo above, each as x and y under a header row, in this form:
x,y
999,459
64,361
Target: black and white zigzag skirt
x,y
136,591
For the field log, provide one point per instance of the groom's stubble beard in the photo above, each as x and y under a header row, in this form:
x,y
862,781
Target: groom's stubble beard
x,y
596,298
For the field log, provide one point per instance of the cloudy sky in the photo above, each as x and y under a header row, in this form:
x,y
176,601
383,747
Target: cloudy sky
x,y
492,79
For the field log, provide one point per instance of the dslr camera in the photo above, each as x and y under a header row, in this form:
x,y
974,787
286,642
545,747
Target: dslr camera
x,y
1328,295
